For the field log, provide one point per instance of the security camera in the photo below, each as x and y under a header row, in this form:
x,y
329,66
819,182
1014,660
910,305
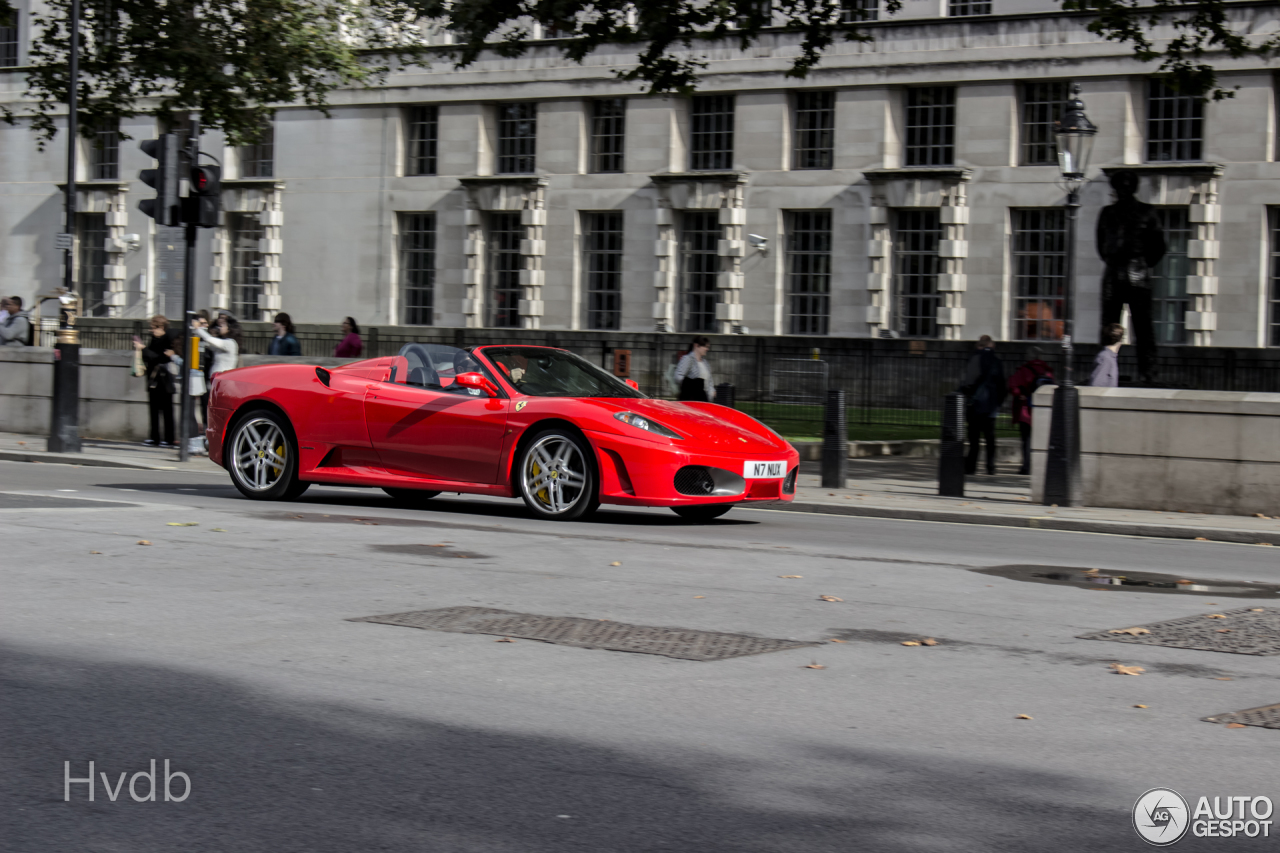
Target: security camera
x,y
757,242
133,241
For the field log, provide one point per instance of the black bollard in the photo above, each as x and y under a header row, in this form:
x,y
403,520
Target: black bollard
x,y
64,429
951,458
835,442
724,394
1062,486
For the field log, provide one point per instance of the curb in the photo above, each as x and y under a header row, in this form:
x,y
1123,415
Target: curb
x,y
1071,525
78,459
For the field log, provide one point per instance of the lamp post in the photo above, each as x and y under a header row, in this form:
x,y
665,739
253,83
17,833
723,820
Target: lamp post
x,y
1074,134
64,430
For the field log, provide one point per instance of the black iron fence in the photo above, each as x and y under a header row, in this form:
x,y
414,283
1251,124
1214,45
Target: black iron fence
x,y
893,388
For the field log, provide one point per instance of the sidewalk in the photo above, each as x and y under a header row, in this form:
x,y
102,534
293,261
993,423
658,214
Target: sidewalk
x,y
879,487
97,453
906,488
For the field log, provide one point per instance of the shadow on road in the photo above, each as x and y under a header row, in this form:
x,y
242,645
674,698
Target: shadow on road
x,y
271,774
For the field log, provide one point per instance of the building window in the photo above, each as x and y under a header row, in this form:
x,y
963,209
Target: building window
x,y
257,159
517,138
700,268
423,129
9,41
967,8
711,132
91,276
815,121
915,266
1041,106
418,267
853,11
931,125
809,271
608,126
1039,273
246,261
602,266
1169,300
505,263
1175,124
1274,336
104,154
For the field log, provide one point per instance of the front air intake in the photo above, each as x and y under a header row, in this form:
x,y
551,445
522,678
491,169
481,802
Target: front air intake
x,y
694,480
789,484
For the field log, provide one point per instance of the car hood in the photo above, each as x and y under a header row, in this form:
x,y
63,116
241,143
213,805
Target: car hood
x,y
705,425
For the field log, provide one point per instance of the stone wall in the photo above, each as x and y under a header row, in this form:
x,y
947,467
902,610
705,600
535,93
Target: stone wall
x,y
1159,449
113,404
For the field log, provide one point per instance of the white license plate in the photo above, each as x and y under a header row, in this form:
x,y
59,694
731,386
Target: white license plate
x,y
764,470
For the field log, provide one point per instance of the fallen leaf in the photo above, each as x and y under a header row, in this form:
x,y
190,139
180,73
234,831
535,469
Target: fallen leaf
x,y
1024,717
441,545
182,523
790,576
699,596
1235,725
1133,632
1202,538
1121,669
1215,616
831,494
1223,679
833,640
21,442
929,641
217,530
1185,581
95,552
505,640
298,516
1264,543
1091,571
616,563
1255,515
910,642
813,666
143,542
1256,609
1223,631
829,598
1139,706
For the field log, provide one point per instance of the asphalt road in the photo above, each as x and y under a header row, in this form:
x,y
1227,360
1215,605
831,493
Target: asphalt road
x,y
225,648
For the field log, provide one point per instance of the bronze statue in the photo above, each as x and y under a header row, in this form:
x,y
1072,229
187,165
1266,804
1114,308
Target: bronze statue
x,y
1131,242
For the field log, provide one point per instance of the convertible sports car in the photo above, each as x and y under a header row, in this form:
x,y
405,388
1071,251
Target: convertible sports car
x,y
537,422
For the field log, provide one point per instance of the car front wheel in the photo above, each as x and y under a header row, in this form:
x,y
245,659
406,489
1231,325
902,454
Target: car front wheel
x,y
557,476
264,458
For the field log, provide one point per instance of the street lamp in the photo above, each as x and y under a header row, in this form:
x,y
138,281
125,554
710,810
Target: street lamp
x,y
1074,134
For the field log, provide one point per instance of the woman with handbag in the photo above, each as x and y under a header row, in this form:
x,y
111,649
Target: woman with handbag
x,y
693,373
156,354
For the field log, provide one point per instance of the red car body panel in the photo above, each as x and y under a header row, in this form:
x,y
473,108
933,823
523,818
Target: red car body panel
x,y
363,428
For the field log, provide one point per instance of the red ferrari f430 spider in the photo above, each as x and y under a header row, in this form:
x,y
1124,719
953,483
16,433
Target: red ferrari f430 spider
x,y
537,422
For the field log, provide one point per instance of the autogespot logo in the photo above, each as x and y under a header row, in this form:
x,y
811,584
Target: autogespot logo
x,y
1160,816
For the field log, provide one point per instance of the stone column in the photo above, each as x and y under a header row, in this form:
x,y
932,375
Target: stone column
x,y
220,245
270,247
534,248
953,248
666,262
114,272
473,271
1202,252
733,219
880,278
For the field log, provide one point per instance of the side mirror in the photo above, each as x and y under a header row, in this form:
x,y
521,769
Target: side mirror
x,y
634,384
476,380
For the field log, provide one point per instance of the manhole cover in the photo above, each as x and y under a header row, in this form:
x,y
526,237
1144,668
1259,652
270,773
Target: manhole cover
x,y
1247,631
1268,717
588,633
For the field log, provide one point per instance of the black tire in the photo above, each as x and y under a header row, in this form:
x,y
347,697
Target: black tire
x,y
571,463
410,496
257,439
704,512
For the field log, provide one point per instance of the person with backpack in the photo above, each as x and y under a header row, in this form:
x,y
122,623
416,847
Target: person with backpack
x,y
984,390
1026,380
15,330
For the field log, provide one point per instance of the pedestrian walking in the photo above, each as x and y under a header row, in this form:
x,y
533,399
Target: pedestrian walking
x,y
1033,374
285,342
351,345
693,373
984,390
156,355
1106,365
15,329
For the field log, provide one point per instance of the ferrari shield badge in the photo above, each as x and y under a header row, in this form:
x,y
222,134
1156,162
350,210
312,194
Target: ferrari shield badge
x,y
520,405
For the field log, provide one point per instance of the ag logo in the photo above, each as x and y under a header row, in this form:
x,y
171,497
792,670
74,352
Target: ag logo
x,y
521,405
1161,816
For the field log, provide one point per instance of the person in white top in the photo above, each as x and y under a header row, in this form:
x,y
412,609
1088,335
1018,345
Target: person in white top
x,y
693,373
225,343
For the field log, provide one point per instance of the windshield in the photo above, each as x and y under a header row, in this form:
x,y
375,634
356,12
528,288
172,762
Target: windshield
x,y
542,372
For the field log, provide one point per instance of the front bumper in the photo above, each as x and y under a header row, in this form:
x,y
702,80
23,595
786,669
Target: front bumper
x,y
637,472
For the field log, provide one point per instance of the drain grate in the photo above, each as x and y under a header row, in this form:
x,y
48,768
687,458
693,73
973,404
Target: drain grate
x,y
1268,717
588,633
1247,631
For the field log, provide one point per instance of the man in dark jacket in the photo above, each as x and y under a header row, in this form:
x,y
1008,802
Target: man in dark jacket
x,y
984,390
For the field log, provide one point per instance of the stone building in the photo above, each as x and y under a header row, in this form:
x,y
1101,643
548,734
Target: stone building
x,y
908,186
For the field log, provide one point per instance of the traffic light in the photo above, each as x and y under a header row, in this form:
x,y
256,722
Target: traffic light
x,y
205,200
164,208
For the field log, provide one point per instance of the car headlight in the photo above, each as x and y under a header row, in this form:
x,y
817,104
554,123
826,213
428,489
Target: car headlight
x,y
641,422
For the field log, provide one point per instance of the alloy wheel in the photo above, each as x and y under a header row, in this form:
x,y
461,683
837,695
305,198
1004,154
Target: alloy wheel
x,y
259,455
554,474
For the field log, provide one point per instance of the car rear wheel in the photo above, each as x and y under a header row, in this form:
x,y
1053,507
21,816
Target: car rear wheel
x,y
705,512
410,496
264,458
556,475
